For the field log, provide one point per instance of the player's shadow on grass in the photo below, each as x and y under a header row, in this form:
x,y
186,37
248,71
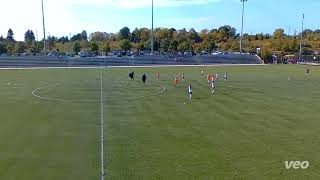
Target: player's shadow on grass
x,y
200,98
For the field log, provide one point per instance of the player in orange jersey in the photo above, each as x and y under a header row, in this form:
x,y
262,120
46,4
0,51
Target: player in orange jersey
x,y
176,81
209,78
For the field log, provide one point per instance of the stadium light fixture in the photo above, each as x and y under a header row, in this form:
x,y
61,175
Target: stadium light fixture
x,y
44,29
243,2
301,41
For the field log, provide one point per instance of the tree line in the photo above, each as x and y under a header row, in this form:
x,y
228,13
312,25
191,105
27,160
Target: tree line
x,y
171,40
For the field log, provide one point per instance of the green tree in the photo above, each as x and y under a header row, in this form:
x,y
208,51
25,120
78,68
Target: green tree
x,y
29,36
173,45
184,46
226,32
3,48
125,45
165,45
197,48
140,47
63,39
35,47
234,45
76,47
193,36
76,37
278,34
144,35
10,48
124,33
20,47
107,48
98,36
10,35
51,42
84,44
266,55
208,45
94,47
169,39
84,35
134,37
2,39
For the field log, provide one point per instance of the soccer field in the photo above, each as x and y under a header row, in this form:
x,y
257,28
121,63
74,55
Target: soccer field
x,y
50,125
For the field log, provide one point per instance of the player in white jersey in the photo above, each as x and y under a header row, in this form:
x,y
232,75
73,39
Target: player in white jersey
x,y
226,76
190,91
217,76
213,84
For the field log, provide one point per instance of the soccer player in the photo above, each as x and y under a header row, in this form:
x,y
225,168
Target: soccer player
x,y
190,91
182,77
213,86
217,76
158,75
176,81
209,77
131,75
307,71
226,76
144,78
202,72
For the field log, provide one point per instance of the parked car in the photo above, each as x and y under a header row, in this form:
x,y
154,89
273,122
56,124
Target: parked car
x,y
4,55
25,54
216,53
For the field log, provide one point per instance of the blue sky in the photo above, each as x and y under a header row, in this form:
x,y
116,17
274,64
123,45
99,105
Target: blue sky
x,y
73,16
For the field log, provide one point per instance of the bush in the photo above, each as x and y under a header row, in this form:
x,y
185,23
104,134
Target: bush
x,y
266,55
3,49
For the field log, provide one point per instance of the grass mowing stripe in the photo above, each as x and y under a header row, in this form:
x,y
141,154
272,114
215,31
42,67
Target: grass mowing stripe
x,y
102,124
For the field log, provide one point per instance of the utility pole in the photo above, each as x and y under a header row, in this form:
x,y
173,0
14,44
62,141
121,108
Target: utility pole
x,y
289,33
44,30
301,41
37,35
243,2
152,40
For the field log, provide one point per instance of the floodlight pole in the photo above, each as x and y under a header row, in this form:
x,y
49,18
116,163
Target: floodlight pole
x,y
301,42
44,29
241,37
152,31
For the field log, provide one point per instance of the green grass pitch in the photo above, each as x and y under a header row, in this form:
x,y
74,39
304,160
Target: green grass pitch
x,y
262,117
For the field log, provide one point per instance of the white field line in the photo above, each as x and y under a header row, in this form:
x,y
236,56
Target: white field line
x,y
102,125
313,64
35,68
147,66
203,65
35,94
